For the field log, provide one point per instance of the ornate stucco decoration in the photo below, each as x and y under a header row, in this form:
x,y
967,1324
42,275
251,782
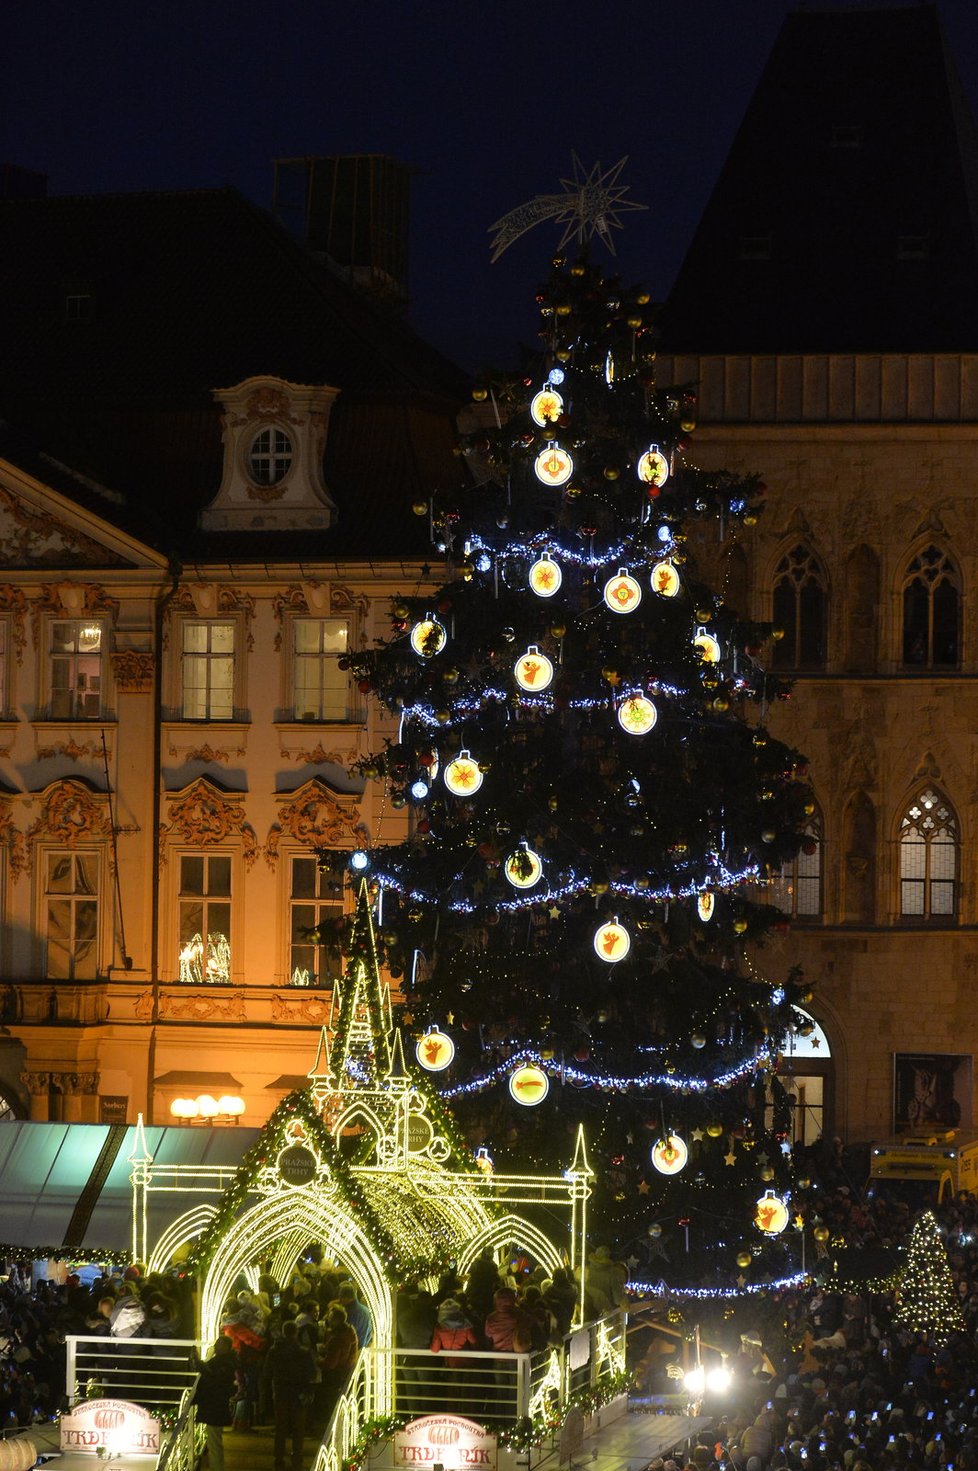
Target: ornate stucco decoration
x,y
133,672
13,840
292,494
318,599
317,756
204,816
210,600
73,600
71,814
32,537
316,817
310,1011
13,604
182,1006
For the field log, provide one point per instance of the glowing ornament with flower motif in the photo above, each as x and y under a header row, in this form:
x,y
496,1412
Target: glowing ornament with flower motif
x,y
553,465
462,776
637,715
669,1154
546,407
428,637
622,593
545,576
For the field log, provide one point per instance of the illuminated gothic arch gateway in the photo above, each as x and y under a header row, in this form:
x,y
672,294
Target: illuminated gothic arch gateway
x,y
408,1200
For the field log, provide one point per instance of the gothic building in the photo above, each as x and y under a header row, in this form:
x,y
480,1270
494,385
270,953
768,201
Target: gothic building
x,y
210,453
828,311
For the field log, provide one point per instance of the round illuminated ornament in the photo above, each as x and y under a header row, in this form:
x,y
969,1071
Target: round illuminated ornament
x,y
653,467
533,671
612,942
771,1214
523,868
669,1154
428,637
553,465
707,646
462,776
545,576
637,715
435,1051
743,1260
705,905
665,579
546,407
529,1085
622,593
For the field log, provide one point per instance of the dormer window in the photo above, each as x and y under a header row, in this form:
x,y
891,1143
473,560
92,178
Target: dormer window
x,y
270,457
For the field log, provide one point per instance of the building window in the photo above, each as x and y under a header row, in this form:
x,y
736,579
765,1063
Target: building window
x,y
321,687
79,307
799,611
931,612
799,890
315,904
4,667
76,669
207,671
270,457
71,916
928,858
205,918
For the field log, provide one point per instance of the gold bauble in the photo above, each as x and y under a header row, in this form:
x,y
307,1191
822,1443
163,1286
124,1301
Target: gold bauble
x,y
744,1259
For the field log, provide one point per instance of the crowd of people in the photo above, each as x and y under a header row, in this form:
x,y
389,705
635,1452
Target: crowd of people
x,y
826,1381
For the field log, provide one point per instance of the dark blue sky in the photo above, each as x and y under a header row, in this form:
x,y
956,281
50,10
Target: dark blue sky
x,y
485,101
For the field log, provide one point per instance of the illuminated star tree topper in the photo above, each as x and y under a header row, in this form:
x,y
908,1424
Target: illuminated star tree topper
x,y
590,204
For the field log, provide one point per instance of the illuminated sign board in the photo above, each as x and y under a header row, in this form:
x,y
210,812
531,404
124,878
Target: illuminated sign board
x,y
97,1426
445,1440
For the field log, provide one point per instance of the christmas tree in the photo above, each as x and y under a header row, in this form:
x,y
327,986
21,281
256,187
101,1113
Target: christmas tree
x,y
597,805
928,1302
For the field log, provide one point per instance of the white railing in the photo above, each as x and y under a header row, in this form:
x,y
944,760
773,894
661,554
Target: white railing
x,y
152,1372
179,1447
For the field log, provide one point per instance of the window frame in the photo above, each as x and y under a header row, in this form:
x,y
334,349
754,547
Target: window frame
x,y
272,460
209,658
46,893
788,885
51,655
206,899
327,907
949,574
949,823
352,713
801,558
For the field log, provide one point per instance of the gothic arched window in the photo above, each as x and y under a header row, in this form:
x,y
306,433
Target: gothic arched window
x,y
928,858
799,610
931,611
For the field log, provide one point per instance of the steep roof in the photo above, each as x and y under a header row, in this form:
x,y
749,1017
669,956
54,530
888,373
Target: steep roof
x,y
183,293
844,218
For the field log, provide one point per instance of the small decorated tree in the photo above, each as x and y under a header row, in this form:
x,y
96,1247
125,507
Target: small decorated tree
x,y
928,1302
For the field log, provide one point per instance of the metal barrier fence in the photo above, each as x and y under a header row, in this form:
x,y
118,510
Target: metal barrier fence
x,y
152,1372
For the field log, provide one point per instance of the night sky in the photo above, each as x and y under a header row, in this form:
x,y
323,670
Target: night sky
x,y
485,101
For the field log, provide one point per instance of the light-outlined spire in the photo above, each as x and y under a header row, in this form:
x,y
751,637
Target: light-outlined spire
x,y
362,1049
580,1165
320,1074
140,1149
398,1075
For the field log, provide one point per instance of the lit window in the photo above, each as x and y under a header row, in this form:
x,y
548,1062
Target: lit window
x,y
76,670
799,610
270,457
315,904
71,908
207,671
931,611
322,688
205,918
928,858
799,890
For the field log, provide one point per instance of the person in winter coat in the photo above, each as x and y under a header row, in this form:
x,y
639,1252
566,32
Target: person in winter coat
x,y
415,1320
214,1397
501,1322
291,1369
452,1331
337,1357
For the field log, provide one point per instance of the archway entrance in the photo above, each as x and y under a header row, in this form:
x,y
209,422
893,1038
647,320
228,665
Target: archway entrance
x,y
807,1074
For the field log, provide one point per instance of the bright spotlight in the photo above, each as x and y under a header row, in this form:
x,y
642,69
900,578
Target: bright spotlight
x,y
718,1381
695,1382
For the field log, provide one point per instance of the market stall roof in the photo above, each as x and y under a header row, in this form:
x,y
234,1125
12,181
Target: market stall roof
x,y
65,1187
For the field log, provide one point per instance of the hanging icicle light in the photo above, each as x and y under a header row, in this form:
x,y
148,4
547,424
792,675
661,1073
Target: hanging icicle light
x,y
545,576
553,465
428,636
669,1154
546,407
637,715
533,671
523,867
462,776
622,593
612,942
665,579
